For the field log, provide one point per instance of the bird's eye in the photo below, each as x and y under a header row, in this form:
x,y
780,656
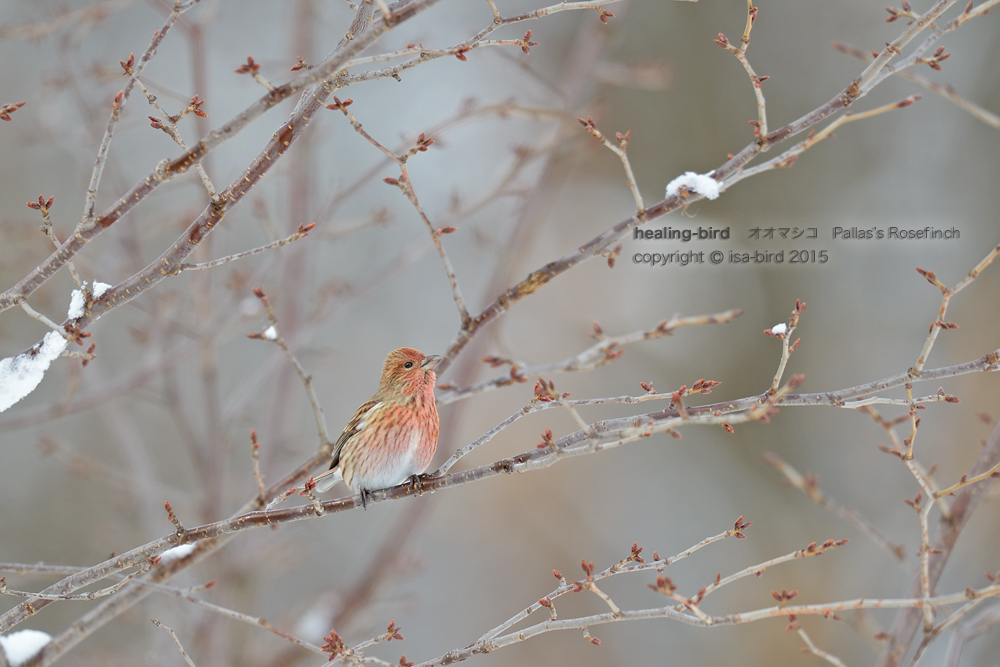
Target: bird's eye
x,y
408,364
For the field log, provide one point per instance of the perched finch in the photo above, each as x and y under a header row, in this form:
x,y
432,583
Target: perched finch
x,y
393,435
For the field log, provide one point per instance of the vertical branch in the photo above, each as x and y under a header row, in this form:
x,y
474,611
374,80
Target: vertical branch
x,y
760,125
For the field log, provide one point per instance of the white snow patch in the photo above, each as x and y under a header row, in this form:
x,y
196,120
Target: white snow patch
x,y
76,305
22,646
21,374
702,184
176,553
779,329
271,333
99,289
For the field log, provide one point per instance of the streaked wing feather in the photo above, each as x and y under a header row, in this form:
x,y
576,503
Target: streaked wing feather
x,y
351,429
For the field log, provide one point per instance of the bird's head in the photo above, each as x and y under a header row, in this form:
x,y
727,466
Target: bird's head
x,y
409,372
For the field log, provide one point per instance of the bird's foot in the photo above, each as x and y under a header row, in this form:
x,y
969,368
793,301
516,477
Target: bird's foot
x,y
417,483
365,495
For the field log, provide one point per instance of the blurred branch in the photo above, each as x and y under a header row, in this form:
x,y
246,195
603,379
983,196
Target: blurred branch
x,y
809,485
235,615
91,14
944,90
905,626
815,650
980,625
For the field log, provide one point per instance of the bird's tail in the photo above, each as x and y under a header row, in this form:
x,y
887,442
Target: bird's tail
x,y
327,480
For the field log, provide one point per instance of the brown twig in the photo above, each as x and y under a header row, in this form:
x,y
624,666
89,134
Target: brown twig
x,y
254,447
760,125
618,150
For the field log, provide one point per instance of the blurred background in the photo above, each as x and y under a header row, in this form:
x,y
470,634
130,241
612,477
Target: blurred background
x,y
165,410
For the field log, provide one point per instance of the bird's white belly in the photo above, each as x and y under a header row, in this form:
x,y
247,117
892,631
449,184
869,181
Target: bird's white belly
x,y
392,472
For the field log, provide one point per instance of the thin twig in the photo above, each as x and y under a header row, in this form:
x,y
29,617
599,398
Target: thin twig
x,y
788,158
254,446
230,613
785,334
946,295
993,472
93,595
815,650
173,635
38,316
273,334
44,206
171,129
618,150
301,233
760,125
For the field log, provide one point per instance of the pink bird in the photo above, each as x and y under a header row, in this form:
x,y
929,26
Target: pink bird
x,y
393,435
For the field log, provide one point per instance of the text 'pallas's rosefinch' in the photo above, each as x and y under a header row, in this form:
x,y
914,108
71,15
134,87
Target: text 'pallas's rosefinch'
x,y
394,434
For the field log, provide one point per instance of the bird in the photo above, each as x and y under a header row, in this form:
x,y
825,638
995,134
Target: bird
x,y
394,434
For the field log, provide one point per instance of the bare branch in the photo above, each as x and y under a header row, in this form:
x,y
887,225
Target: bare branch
x,y
302,232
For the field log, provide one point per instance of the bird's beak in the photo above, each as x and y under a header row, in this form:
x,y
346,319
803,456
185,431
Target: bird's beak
x,y
430,362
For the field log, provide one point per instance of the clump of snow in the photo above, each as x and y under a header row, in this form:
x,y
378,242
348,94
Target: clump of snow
x,y
702,184
779,329
270,333
76,305
176,553
100,288
21,374
20,647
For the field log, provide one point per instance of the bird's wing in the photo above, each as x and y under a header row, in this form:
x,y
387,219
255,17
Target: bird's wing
x,y
356,424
